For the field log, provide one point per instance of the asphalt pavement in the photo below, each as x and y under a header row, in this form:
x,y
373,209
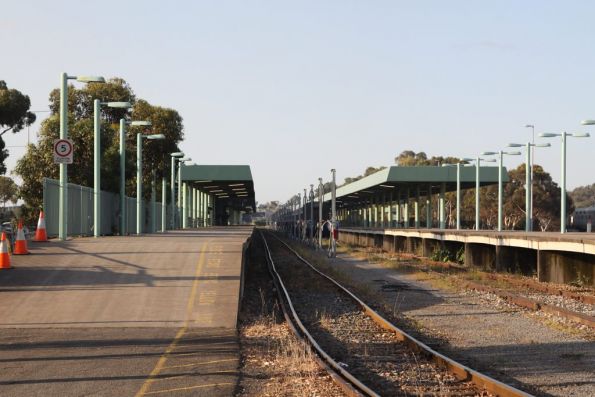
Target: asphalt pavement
x,y
123,316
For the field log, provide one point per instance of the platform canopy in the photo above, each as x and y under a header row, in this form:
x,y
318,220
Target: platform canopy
x,y
401,180
230,185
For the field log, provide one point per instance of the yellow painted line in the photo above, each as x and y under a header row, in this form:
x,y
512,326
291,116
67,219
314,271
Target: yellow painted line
x,y
190,388
203,363
205,344
230,371
172,346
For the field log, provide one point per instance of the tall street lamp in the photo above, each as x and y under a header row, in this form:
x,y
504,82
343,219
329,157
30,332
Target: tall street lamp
x,y
333,213
179,207
563,175
63,207
311,233
97,159
123,212
459,164
320,203
477,183
174,156
528,182
139,176
501,154
531,165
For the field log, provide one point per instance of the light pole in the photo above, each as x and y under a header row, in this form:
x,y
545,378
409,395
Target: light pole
x,y
174,156
478,161
320,204
528,182
458,165
531,167
563,135
501,154
298,202
123,124
163,203
97,159
311,234
179,207
139,176
63,204
333,213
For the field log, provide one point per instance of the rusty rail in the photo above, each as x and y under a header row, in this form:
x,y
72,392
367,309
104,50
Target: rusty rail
x,y
461,371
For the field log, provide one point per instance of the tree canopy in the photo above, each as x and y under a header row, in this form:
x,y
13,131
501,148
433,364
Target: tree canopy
x,y
584,196
8,190
14,115
37,162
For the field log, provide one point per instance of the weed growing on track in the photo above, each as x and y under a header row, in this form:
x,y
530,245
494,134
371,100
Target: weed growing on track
x,y
274,361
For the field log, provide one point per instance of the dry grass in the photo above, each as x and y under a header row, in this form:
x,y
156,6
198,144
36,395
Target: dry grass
x,y
286,364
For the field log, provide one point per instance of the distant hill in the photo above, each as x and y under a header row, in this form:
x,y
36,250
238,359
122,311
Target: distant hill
x,y
583,196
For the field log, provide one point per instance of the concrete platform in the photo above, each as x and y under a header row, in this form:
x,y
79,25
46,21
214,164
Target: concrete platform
x,y
554,257
154,314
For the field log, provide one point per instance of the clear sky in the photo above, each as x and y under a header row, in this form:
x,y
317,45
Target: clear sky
x,y
296,88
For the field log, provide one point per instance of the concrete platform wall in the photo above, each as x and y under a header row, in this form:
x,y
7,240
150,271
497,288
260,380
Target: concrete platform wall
x,y
549,265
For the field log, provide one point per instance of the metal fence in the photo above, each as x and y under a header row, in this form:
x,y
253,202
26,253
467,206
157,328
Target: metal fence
x,y
80,211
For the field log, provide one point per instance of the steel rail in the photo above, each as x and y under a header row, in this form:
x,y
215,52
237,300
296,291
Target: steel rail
x,y
461,371
346,381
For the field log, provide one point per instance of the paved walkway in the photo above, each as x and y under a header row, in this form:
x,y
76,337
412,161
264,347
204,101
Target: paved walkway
x,y
148,315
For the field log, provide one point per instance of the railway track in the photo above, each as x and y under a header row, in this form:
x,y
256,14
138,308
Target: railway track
x,y
363,352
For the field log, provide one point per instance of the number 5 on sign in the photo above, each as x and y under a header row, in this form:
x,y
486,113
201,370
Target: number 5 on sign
x,y
63,151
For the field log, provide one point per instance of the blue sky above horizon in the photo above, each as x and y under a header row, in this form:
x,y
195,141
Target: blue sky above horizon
x,y
297,88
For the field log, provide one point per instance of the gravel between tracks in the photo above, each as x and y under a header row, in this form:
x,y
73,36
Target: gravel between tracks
x,y
274,362
516,346
370,353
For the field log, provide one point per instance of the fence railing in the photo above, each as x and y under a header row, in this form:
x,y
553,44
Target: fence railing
x,y
80,211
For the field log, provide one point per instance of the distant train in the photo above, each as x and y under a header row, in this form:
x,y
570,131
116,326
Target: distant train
x,y
582,216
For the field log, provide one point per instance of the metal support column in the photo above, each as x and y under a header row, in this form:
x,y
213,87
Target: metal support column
x,y
184,191
406,209
417,204
163,204
429,207
153,203
442,209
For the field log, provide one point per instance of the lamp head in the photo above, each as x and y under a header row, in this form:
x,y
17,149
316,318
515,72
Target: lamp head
x,y
588,122
185,159
515,145
467,159
177,154
155,136
529,126
90,79
512,153
488,153
488,160
144,123
543,144
581,135
548,135
121,105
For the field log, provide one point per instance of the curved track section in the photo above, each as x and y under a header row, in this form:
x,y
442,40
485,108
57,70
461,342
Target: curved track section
x,y
398,356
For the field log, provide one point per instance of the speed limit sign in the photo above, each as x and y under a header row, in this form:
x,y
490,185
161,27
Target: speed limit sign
x,y
63,151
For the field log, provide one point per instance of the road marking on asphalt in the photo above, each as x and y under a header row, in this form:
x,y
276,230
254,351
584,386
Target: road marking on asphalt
x,y
190,305
204,344
191,387
225,372
203,363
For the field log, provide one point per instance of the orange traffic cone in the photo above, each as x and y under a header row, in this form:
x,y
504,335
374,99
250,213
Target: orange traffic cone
x,y
40,234
20,245
4,255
